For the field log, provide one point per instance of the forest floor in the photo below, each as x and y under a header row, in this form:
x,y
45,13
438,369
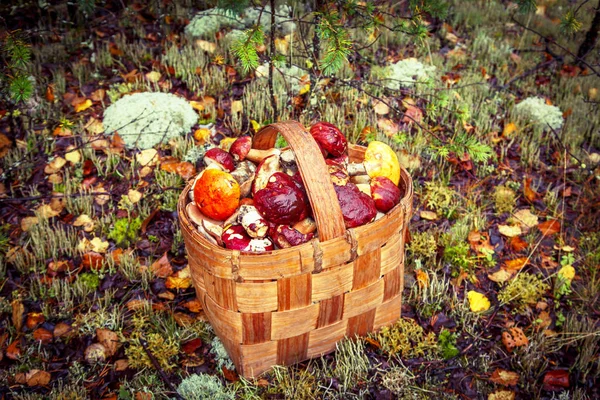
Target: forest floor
x,y
502,291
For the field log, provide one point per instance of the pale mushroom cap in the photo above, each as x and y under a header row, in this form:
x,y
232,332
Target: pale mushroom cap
x,y
381,160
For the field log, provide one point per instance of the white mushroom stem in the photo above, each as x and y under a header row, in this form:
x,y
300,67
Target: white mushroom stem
x,y
360,179
257,156
254,223
356,169
306,226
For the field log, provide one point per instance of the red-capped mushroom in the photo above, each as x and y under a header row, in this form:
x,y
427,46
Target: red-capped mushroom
x,y
385,194
242,149
236,238
221,157
330,138
286,236
281,201
217,194
254,223
265,169
357,207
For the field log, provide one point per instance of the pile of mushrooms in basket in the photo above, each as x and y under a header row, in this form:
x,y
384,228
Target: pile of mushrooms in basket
x,y
254,200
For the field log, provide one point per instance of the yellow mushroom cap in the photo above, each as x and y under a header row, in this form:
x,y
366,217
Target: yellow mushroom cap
x,y
381,160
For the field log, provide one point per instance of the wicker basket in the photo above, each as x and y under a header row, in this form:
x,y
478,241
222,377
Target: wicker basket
x,y
285,306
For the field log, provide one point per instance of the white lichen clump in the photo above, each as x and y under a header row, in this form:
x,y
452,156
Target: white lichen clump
x,y
143,120
221,357
541,114
405,73
208,22
204,386
282,18
293,76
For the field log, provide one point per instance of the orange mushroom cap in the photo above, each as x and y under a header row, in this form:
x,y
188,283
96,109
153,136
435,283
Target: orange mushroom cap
x,y
217,194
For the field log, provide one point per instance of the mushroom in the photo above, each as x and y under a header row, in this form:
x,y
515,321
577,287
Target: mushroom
x,y
221,157
385,194
357,207
236,238
380,160
211,166
265,169
288,162
242,149
244,175
254,223
337,172
217,194
281,201
329,138
307,225
286,236
209,228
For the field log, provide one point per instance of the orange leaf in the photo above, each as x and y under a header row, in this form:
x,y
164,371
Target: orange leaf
x,y
35,377
517,244
230,375
193,305
162,267
115,50
43,335
13,351
529,193
184,169
516,264
504,377
549,227
514,337
50,93
480,242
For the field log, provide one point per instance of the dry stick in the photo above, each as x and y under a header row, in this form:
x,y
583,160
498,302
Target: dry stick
x,y
272,63
527,73
160,371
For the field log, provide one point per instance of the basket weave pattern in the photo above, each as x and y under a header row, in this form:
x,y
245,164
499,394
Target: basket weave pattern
x,y
289,305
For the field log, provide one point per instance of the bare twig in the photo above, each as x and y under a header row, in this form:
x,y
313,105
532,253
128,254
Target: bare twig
x,y
160,371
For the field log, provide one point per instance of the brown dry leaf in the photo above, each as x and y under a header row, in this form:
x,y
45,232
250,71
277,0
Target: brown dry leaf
x,y
545,320
184,169
131,76
501,276
18,312
82,106
28,222
96,245
92,260
388,127
136,304
428,215
134,195
180,280
84,221
5,144
94,126
43,335
50,93
514,337
517,244
183,319
99,142
549,227
34,319
13,351
380,107
502,394
516,265
98,95
35,377
121,365
62,329
162,268
510,231
412,115
55,165
504,377
101,199
117,144
147,158
480,243
193,306
166,295
529,193
525,218
55,179
109,340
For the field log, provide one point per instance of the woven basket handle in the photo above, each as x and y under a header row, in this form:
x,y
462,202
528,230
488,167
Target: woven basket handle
x,y
323,199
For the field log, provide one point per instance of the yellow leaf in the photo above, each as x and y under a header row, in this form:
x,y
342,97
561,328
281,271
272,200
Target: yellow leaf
x,y
147,157
526,219
153,76
510,231
94,126
567,273
28,222
73,156
501,276
422,278
477,301
197,105
380,108
46,211
236,106
84,221
502,395
304,89
429,215
55,165
509,129
134,195
83,106
255,125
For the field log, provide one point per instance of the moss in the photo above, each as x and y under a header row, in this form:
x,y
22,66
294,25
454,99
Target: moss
x,y
458,255
125,230
541,114
163,349
407,339
447,343
524,290
89,280
295,384
146,119
439,197
423,245
204,386
504,199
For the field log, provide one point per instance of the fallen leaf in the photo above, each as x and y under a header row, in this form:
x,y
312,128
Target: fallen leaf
x,y
148,157
477,301
94,126
43,335
179,280
162,268
509,129
193,306
501,276
101,199
121,365
79,107
50,93
34,319
480,243
237,106
96,245
502,395
549,227
84,221
73,156
516,264
529,193
108,339
184,169
13,351
207,46
504,377
567,273
62,329
191,346
153,76
380,107
18,312
526,219
134,196
230,375
556,380
55,165
28,222
517,244
544,320
428,215
36,377
95,353
98,95
387,126
510,231
513,338
136,304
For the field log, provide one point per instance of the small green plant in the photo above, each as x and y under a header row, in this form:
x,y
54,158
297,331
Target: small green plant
x,y
459,256
204,386
125,230
423,245
439,198
352,364
15,54
293,383
164,349
522,291
447,344
89,280
407,339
